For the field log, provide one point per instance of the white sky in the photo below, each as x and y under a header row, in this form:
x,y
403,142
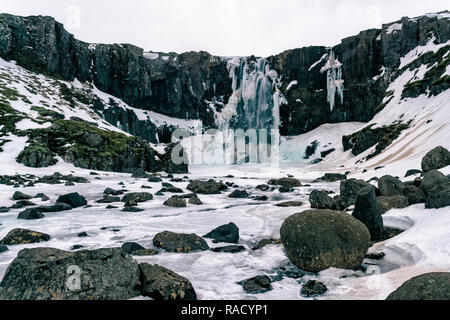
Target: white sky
x,y
221,27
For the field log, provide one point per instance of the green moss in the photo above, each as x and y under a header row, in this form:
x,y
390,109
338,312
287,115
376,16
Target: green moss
x,y
8,117
444,79
47,113
390,133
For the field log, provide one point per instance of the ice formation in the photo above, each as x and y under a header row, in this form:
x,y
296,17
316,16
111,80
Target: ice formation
x,y
334,79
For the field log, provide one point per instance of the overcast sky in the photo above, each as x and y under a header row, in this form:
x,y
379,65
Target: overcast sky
x,y
221,27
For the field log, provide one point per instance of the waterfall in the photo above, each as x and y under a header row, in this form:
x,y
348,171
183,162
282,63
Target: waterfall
x,y
255,102
334,79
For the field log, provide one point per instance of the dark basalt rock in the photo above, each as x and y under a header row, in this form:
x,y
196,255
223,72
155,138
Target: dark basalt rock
x,y
160,283
439,196
412,172
145,252
22,204
227,233
112,192
431,179
386,203
258,284
290,204
72,199
313,288
42,196
58,207
332,177
154,179
179,242
349,190
368,212
390,186
239,194
285,182
4,209
321,200
428,286
21,196
206,187
136,197
175,202
229,249
108,199
30,214
263,187
194,199
3,248
24,236
435,159
414,194
130,247
45,274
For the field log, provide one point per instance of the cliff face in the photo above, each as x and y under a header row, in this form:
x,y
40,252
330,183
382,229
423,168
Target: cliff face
x,y
179,85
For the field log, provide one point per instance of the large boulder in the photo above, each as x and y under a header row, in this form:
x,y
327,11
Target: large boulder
x,y
313,288
332,177
52,274
3,248
386,203
130,247
349,190
431,179
435,159
58,207
176,202
179,242
321,200
286,182
258,284
21,196
316,240
414,194
72,199
368,212
439,196
24,236
206,187
160,283
238,194
390,186
227,233
30,214
428,286
136,197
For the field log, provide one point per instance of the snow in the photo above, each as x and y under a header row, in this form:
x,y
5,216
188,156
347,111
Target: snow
x,y
29,124
431,46
383,71
394,28
151,55
317,62
291,84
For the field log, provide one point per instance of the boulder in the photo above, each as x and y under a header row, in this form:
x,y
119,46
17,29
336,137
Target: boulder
x,y
386,203
206,187
313,288
160,283
42,196
349,190
52,274
112,192
30,214
428,286
439,196
412,172
238,194
390,186
263,187
179,242
414,194
58,207
24,236
227,233
108,199
145,252
4,209
368,212
21,196
229,249
321,200
72,199
136,197
258,284
435,159
285,182
194,199
3,248
140,173
130,247
175,202
154,179
22,204
332,177
316,240
431,179
288,204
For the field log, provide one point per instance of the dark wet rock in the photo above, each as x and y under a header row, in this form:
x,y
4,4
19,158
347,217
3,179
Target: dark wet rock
x,y
316,240
69,184
378,168
332,177
390,186
285,182
414,194
412,172
368,212
44,274
145,252
111,207
194,199
435,159
321,200
375,256
285,189
4,209
179,242
173,189
265,242
229,249
130,247
263,187
108,199
137,197
432,179
428,286
82,235
112,192
313,288
3,248
159,193
349,190
206,187
30,214
325,153
260,198
154,179
386,203
58,207
21,196
175,202
258,284
239,194
131,209
76,247
24,236
22,204
290,204
42,196
160,283
227,233
72,199
439,196
140,173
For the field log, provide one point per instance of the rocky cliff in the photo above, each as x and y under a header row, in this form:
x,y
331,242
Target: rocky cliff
x,y
183,85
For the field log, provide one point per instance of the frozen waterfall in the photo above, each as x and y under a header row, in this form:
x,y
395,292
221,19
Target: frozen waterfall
x,y
334,79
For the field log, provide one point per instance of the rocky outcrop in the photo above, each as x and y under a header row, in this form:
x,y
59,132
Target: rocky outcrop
x,y
428,286
179,242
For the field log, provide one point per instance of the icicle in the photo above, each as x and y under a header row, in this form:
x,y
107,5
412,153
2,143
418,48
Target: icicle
x,y
334,79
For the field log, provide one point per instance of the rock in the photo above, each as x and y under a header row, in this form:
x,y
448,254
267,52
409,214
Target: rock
x,y
428,286
321,200
325,153
111,207
285,189
375,256
72,199
36,156
412,172
145,252
4,209
108,199
431,179
154,179
439,196
51,274
42,196
368,212
21,196
263,187
24,236
58,207
386,203
258,284
131,209
390,186
316,240
228,233
112,192
76,247
229,249
290,204
414,194
160,283
260,198
265,242
22,203
194,199
30,214
332,177
313,288
435,159
172,151
239,194
285,182
137,197
206,187
82,234
130,247
179,242
140,173
175,202
69,184
3,248
349,191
